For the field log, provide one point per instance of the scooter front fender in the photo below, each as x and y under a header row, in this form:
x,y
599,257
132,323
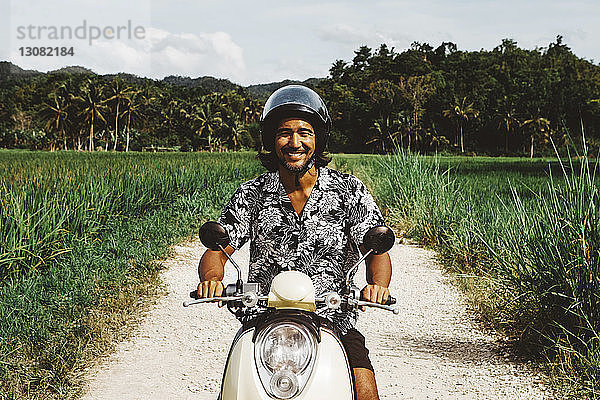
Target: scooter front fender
x,y
330,378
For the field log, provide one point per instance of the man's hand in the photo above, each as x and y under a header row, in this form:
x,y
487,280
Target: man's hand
x,y
379,274
211,289
375,293
211,271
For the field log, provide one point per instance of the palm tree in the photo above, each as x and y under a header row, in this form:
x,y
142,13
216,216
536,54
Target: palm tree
x,y
438,141
132,113
235,129
461,112
56,115
385,131
92,107
68,90
119,93
147,97
538,127
508,122
204,121
171,113
209,121
252,111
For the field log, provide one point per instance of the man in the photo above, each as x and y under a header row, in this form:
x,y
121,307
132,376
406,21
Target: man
x,y
304,216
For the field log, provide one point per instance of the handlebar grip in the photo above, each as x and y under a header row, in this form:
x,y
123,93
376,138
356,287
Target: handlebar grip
x,y
194,295
389,302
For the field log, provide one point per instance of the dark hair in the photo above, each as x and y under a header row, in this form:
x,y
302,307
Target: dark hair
x,y
270,161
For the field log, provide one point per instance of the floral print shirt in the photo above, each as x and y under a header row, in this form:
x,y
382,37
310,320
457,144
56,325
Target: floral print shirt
x,y
322,242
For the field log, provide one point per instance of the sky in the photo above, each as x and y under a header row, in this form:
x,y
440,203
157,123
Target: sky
x,y
262,41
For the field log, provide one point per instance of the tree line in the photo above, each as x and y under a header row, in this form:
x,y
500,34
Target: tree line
x,y
507,100
121,112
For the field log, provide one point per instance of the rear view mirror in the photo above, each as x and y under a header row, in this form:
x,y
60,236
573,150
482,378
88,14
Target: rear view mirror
x,y
379,239
214,236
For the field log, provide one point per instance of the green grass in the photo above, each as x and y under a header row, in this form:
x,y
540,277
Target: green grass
x,y
81,233
523,237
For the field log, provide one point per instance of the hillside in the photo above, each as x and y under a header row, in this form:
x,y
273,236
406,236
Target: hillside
x,y
207,83
263,90
8,70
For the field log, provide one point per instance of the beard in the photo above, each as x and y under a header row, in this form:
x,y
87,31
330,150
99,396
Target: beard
x,y
294,168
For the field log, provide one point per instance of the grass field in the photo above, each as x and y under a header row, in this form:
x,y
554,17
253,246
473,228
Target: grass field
x,y
522,236
80,233
82,230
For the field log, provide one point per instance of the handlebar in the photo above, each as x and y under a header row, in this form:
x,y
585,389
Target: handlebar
x,y
250,299
389,302
211,300
377,305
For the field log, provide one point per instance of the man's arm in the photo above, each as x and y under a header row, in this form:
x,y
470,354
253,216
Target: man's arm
x,y
379,275
211,271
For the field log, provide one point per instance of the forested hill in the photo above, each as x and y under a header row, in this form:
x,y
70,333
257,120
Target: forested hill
x,y
507,100
260,91
9,70
263,91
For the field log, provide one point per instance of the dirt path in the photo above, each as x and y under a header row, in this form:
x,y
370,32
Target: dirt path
x,y
431,350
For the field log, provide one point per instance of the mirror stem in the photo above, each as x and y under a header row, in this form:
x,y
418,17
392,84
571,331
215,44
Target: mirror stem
x,y
355,267
239,282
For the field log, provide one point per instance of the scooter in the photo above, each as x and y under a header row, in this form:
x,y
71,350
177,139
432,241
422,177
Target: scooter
x,y
287,350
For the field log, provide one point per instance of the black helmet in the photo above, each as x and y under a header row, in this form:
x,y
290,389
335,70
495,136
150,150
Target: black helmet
x,y
295,101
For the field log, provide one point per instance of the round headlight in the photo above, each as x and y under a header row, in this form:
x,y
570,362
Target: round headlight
x,y
284,384
286,346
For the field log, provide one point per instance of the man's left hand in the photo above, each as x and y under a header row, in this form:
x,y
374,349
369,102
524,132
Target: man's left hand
x,y
375,293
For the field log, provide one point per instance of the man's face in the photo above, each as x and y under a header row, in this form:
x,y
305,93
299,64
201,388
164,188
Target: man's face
x,y
295,143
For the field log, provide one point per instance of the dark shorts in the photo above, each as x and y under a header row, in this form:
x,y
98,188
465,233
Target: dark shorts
x,y
358,354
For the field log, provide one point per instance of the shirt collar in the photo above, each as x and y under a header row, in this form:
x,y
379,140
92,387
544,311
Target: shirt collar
x,y
273,183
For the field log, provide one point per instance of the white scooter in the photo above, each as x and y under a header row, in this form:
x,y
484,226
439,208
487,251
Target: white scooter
x,y
288,351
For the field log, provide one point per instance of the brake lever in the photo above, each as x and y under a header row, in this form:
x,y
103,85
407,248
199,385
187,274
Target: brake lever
x,y
377,305
389,302
211,300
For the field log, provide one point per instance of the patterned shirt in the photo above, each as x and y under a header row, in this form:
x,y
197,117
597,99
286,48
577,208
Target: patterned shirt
x,y
322,242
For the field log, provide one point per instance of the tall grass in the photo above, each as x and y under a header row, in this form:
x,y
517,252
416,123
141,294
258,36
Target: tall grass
x,y
417,195
47,198
550,253
526,245
81,230
80,233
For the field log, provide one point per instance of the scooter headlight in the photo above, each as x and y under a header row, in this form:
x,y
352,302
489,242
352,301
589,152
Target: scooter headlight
x,y
285,346
284,354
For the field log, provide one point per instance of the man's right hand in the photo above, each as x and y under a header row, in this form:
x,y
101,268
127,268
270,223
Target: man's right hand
x,y
211,271
210,289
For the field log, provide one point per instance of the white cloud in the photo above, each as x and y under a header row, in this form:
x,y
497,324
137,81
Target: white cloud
x,y
279,39
189,54
356,36
159,54
342,33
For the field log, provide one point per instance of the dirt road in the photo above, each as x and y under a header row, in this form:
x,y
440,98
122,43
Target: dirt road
x,y
431,350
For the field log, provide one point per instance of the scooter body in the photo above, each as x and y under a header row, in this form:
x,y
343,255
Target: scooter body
x,y
330,377
287,350
288,353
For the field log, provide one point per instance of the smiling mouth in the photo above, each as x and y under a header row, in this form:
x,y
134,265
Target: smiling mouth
x,y
295,154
